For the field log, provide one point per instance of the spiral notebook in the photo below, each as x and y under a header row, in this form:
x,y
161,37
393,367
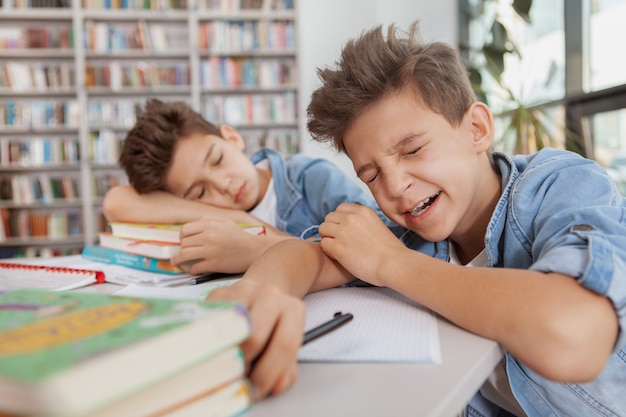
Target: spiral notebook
x,y
56,278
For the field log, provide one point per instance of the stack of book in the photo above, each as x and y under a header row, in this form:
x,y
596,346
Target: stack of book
x,y
88,354
144,246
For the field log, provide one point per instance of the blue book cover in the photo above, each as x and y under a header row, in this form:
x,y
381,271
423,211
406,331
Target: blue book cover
x,y
117,257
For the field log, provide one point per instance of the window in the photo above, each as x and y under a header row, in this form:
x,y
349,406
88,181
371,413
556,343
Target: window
x,y
570,69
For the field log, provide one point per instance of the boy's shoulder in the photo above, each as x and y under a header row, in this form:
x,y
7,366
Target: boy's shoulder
x,y
557,171
551,156
549,161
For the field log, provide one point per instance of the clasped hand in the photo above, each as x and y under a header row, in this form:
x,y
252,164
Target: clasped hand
x,y
356,237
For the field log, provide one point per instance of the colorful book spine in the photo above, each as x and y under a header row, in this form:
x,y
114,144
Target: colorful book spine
x,y
121,258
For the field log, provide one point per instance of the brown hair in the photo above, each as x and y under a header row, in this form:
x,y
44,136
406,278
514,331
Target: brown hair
x,y
370,67
149,146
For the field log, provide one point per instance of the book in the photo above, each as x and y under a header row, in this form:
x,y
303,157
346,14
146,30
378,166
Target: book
x,y
164,232
150,248
147,231
198,381
228,401
130,260
72,353
14,275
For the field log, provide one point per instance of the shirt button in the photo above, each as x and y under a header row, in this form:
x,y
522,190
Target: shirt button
x,y
582,228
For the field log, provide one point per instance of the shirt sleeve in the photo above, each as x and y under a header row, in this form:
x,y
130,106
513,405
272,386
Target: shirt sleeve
x,y
325,186
578,228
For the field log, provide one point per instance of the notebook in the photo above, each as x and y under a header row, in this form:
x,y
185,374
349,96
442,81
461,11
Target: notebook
x,y
55,278
387,327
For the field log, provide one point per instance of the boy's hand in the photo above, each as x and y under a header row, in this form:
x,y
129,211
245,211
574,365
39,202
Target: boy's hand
x,y
355,237
216,244
277,321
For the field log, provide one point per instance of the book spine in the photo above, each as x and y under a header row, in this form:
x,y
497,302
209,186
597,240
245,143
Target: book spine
x,y
121,258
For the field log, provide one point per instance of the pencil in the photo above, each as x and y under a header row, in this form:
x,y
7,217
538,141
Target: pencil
x,y
336,322
209,277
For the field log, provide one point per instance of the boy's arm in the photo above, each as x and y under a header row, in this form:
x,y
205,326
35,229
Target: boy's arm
x,y
271,290
549,321
123,204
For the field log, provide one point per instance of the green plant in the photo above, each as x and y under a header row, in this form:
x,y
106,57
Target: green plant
x,y
527,127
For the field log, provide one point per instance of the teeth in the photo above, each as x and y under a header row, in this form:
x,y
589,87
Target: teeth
x,y
423,205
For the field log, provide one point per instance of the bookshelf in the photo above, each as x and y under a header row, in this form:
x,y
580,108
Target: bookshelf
x,y
75,73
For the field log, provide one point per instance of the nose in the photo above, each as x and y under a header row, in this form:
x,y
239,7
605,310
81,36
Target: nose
x,y
218,182
396,182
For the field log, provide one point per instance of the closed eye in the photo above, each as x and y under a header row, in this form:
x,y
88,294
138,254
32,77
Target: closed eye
x,y
370,179
414,151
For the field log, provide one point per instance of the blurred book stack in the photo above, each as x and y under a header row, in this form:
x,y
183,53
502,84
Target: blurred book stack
x,y
76,354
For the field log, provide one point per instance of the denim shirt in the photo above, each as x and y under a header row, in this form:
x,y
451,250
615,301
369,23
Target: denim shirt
x,y
307,189
558,212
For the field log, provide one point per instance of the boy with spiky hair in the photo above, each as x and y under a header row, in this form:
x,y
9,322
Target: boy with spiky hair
x,y
527,250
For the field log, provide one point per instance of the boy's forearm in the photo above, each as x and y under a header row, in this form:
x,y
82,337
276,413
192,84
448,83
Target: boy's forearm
x,y
123,203
297,268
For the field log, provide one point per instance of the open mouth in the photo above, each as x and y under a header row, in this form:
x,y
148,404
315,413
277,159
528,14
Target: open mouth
x,y
423,205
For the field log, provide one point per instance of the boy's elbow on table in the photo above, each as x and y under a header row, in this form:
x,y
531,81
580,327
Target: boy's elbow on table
x,y
583,348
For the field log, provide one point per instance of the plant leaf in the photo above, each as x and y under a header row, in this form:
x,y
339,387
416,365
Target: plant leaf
x,y
522,7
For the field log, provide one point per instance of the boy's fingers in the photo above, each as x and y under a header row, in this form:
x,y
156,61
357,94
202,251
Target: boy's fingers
x,y
276,369
277,321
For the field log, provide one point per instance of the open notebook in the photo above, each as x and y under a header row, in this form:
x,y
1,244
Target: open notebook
x,y
387,327
15,275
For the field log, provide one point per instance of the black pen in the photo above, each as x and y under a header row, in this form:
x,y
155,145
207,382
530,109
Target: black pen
x,y
209,277
336,322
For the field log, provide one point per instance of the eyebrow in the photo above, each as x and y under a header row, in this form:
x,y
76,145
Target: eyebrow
x,y
391,150
206,158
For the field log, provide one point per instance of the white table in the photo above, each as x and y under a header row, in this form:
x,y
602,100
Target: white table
x,y
383,389
379,389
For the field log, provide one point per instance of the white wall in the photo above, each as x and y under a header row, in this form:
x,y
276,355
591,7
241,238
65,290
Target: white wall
x,y
325,25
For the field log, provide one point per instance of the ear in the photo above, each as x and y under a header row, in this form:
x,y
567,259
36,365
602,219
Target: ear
x,y
482,126
231,135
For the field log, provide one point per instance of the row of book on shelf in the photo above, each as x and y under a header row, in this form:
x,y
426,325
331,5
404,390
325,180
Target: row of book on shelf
x,y
116,75
50,224
40,76
222,5
230,108
40,113
215,72
31,36
36,151
45,189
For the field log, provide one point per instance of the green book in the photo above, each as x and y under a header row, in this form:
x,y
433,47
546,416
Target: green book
x,y
70,353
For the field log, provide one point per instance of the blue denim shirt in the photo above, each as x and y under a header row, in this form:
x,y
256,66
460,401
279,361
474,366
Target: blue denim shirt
x,y
558,212
307,189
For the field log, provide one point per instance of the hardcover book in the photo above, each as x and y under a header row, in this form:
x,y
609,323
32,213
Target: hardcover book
x,y
151,248
147,231
118,257
71,353
194,383
164,232
228,401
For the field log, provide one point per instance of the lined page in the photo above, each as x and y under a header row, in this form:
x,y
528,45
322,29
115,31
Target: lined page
x,y
387,327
